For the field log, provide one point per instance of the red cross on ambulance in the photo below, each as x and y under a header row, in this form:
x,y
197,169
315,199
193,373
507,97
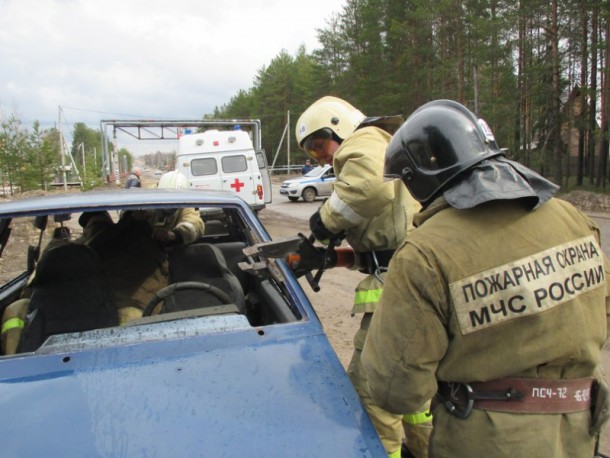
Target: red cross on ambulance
x,y
237,185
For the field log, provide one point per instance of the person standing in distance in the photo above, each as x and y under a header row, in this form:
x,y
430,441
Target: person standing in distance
x,y
497,302
133,180
307,167
372,214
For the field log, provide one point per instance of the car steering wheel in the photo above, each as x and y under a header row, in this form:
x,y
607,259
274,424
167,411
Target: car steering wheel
x,y
164,293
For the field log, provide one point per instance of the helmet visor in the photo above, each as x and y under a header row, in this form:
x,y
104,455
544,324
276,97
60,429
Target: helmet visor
x,y
317,142
314,147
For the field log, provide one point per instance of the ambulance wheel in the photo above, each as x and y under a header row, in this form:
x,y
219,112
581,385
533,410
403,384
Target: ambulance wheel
x,y
293,199
309,194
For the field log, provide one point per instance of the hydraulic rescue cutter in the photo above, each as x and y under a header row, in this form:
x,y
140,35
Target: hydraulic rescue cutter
x,y
303,257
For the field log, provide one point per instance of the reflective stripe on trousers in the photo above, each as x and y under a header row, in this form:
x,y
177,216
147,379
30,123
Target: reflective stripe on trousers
x,y
12,323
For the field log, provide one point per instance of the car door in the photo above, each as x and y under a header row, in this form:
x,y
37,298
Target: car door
x,y
202,172
327,182
236,176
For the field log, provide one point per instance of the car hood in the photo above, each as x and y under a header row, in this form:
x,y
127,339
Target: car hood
x,y
303,180
274,391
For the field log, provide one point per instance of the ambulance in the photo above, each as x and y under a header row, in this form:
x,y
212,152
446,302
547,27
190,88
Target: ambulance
x,y
227,155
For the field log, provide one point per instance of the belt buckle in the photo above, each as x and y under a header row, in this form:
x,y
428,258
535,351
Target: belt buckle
x,y
376,267
455,410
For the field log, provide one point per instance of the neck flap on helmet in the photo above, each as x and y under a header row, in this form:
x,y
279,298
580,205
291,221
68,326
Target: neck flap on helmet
x,y
499,178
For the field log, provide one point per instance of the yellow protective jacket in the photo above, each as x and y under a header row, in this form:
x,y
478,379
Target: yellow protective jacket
x,y
485,293
186,222
373,213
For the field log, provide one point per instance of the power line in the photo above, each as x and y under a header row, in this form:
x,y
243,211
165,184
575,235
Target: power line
x,y
118,114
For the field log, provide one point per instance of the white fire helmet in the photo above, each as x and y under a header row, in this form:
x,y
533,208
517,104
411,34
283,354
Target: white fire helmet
x,y
173,180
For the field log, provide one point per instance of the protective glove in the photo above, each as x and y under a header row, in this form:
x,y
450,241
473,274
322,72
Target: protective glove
x,y
167,237
320,232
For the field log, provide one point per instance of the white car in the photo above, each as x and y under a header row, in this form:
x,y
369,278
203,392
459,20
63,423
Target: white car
x,y
318,182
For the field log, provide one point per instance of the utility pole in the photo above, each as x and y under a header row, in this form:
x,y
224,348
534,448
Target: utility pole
x,y
82,149
95,161
115,160
62,150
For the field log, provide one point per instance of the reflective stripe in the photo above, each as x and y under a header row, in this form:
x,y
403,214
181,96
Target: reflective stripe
x,y
344,210
368,296
12,323
395,454
417,418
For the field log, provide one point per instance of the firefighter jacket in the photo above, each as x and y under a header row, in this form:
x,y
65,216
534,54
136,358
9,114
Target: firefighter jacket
x,y
185,222
485,293
373,213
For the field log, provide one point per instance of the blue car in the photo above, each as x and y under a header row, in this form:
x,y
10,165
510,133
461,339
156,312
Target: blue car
x,y
239,366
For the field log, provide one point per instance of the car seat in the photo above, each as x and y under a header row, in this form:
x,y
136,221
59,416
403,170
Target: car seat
x,y
68,294
233,253
201,262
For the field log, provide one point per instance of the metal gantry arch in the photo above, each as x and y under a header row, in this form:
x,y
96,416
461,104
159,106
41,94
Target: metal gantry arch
x,y
165,130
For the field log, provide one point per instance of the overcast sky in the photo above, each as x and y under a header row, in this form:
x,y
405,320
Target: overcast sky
x,y
134,59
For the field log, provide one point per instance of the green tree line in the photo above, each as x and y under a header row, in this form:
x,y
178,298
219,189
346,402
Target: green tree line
x,y
28,158
536,71
31,158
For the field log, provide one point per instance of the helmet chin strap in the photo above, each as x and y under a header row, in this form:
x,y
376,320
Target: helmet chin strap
x,y
499,179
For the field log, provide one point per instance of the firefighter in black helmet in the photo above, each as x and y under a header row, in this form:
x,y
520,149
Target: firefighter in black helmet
x,y
497,302
442,139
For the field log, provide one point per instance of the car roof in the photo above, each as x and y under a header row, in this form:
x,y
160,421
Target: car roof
x,y
69,202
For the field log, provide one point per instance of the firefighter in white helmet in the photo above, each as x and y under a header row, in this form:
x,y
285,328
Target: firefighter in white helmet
x,y
176,226
373,216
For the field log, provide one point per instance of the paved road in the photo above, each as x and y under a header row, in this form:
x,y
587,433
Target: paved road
x,y
299,209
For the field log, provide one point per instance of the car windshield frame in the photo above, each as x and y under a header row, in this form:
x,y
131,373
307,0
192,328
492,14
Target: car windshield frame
x,y
243,227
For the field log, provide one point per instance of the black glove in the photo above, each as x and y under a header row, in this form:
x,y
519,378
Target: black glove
x,y
319,231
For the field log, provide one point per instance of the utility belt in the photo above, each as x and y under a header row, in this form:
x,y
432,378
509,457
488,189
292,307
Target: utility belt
x,y
375,262
518,395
